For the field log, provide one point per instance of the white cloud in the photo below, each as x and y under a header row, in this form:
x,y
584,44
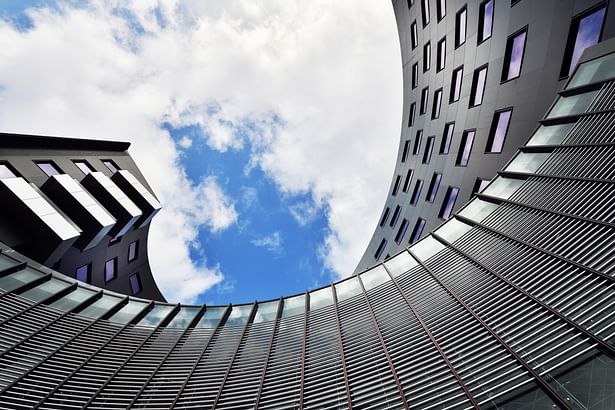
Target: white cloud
x,y
273,242
185,142
314,87
304,212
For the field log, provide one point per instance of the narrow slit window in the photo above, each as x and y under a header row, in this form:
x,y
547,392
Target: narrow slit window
x,y
408,180
7,171
424,100
410,3
460,26
585,31
425,12
84,273
111,166
513,56
418,230
465,148
395,216
437,104
110,269
441,9
428,149
449,202
49,168
426,56
456,84
412,114
414,35
479,185
497,133
433,187
447,138
133,251
385,217
135,283
401,232
417,142
380,249
478,86
418,187
404,155
485,20
396,186
441,58
415,75
84,166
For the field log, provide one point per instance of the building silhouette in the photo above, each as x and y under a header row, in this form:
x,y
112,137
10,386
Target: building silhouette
x,y
509,304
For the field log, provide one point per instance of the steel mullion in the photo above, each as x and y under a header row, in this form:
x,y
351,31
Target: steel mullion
x,y
304,348
276,326
384,346
606,348
546,387
341,343
434,341
235,353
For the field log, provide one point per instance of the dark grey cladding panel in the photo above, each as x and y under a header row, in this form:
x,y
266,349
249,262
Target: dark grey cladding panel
x,y
41,232
68,195
139,194
114,200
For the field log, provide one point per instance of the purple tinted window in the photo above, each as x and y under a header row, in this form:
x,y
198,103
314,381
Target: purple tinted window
x,y
417,192
402,231
479,185
385,216
418,230
586,32
396,186
463,156
83,273
5,172
110,269
478,86
499,127
456,88
111,166
441,54
417,142
428,150
135,283
433,187
133,251
380,249
460,27
437,104
485,24
441,9
514,56
449,202
48,168
84,167
447,137
408,179
395,216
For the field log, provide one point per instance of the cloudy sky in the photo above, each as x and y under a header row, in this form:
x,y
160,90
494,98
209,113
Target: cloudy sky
x,y
268,129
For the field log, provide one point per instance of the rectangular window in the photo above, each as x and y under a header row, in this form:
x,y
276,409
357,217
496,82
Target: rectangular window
x,y
424,100
426,56
410,3
417,231
415,75
428,149
456,84
441,58
460,26
478,86
49,168
412,115
84,273
585,31
111,166
418,187
396,186
497,133
135,283
441,9
7,171
133,251
485,20
402,231
417,142
395,216
513,56
479,185
433,187
449,202
404,155
380,249
465,148
408,180
84,166
414,35
447,138
110,269
437,104
425,12
385,216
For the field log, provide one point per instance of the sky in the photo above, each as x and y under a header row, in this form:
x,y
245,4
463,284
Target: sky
x,y
268,129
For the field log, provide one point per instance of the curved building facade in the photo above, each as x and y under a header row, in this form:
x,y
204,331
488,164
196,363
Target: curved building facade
x,y
510,304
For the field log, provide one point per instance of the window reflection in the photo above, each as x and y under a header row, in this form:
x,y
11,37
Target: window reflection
x,y
293,306
320,298
550,135
155,316
183,318
400,264
527,162
576,104
593,71
503,187
374,277
347,289
211,317
266,311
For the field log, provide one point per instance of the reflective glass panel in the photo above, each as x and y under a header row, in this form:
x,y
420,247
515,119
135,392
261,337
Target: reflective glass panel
x,y
48,168
183,318
320,298
587,34
449,202
503,187
426,248
156,315
73,299
374,277
575,104
5,172
400,264
478,210
550,135
128,311
453,229
212,317
499,128
239,315
17,279
527,162
84,167
45,289
347,289
100,306
266,311
6,262
514,56
593,71
293,306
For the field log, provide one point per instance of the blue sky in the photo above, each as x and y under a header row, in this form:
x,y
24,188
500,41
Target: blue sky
x,y
268,129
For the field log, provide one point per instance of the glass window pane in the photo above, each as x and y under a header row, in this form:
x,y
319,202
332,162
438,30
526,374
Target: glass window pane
x,y
110,269
48,168
6,262
453,229
347,289
514,56
576,104
133,251
593,71
45,289
503,187
478,86
433,187
380,249
135,283
11,282
73,299
587,34
416,193
100,306
486,20
82,273
418,230
550,135
239,315
156,315
183,318
128,311
426,248
400,264
456,88
499,128
6,172
478,210
401,232
83,166
527,162
447,138
320,298
449,202
111,166
266,311
212,317
293,306
465,148
374,277
460,27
